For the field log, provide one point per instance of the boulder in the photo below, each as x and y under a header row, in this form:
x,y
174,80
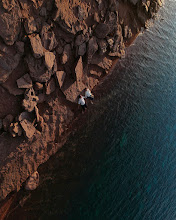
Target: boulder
x,y
92,48
80,39
38,86
28,128
50,86
24,115
102,30
72,91
32,182
9,60
15,129
103,62
36,45
48,38
7,121
20,47
30,25
79,70
82,49
102,46
24,82
37,69
60,75
30,100
49,60
10,21
66,54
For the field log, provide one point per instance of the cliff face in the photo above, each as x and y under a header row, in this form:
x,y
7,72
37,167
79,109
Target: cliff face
x,y
49,52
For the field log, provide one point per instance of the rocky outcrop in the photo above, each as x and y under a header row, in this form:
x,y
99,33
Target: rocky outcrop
x,y
50,51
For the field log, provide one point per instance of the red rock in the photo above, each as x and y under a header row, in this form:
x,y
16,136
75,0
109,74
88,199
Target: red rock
x,y
9,60
66,54
92,48
60,77
102,30
49,60
30,25
37,69
79,70
10,21
24,82
80,39
36,45
50,86
102,62
38,86
24,115
32,182
30,100
28,128
48,38
72,91
82,49
15,129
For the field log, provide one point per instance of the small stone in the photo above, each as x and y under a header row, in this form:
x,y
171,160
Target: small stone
x,y
32,182
28,128
49,60
48,38
30,25
102,30
24,82
36,45
24,115
30,100
38,86
7,121
102,46
15,129
66,54
82,49
79,70
96,17
92,48
50,86
80,39
60,75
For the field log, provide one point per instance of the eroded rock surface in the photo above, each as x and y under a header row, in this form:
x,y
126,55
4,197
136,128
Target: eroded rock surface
x,y
50,51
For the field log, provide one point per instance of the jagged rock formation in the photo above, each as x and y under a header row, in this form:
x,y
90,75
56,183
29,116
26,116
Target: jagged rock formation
x,y
49,52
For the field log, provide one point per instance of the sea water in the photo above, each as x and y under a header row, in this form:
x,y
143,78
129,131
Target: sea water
x,y
122,165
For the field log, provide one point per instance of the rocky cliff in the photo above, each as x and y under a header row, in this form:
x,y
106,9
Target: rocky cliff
x,y
49,52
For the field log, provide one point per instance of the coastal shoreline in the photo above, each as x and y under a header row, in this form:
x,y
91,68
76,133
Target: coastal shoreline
x,y
71,126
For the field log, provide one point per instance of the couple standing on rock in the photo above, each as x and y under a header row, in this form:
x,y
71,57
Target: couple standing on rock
x,y
88,95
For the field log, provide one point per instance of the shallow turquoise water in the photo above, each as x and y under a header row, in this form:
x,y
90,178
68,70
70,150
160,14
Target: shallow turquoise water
x,y
123,163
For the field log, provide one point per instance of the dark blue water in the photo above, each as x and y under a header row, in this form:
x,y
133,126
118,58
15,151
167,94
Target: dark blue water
x,y
123,163
135,175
